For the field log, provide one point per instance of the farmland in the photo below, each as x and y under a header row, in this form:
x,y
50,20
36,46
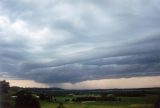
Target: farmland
x,y
98,98
126,102
127,98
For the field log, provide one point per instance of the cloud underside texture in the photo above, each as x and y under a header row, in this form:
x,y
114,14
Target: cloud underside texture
x,y
73,41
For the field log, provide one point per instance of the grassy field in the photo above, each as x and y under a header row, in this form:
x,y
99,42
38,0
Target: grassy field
x,y
126,102
123,99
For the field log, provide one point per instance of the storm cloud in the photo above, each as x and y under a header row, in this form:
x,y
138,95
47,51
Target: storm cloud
x,y
53,41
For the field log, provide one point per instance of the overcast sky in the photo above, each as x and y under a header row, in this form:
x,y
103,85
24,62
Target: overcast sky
x,y
72,41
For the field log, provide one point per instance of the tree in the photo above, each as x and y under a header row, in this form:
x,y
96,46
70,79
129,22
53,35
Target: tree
x,y
4,86
157,103
5,99
26,100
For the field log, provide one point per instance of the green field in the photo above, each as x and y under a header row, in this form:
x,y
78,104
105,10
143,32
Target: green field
x,y
126,102
138,98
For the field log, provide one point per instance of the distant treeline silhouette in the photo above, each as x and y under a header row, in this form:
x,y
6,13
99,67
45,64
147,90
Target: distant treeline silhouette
x,y
109,97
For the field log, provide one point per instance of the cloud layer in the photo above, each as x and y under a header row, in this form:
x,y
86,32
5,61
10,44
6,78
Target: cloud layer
x,y
70,41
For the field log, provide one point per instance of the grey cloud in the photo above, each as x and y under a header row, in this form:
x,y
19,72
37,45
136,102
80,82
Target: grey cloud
x,y
76,72
86,40
131,59
119,62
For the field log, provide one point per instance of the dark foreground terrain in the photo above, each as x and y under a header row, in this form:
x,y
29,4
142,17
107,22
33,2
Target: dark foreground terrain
x,y
15,97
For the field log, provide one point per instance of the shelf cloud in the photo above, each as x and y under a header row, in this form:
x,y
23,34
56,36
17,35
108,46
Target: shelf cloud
x,y
68,41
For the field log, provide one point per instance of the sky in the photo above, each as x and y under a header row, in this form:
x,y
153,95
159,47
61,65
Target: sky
x,y
75,43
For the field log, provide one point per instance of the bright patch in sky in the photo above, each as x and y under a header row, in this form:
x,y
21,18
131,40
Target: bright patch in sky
x,y
134,82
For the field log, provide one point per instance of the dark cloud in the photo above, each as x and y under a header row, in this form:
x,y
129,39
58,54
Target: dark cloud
x,y
116,62
72,41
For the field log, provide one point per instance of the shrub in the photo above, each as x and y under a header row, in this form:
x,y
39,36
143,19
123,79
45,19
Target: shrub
x,y
26,100
60,105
